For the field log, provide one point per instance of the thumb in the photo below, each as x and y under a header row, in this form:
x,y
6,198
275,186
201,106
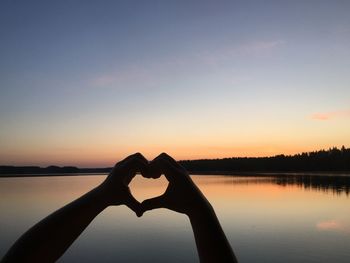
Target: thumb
x,y
153,203
134,205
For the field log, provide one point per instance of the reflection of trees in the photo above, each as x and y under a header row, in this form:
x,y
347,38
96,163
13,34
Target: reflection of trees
x,y
335,184
327,183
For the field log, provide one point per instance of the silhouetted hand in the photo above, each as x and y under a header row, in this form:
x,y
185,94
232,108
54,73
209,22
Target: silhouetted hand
x,y
182,195
115,190
52,236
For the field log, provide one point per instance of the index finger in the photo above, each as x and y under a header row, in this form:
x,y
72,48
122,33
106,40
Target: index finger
x,y
133,156
133,164
172,161
161,165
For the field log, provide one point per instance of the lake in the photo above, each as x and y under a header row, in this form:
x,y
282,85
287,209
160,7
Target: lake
x,y
266,219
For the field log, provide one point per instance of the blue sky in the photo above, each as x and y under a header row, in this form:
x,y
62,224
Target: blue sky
x,y
198,79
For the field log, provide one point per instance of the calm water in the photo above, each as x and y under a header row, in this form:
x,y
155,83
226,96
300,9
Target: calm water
x,y
265,219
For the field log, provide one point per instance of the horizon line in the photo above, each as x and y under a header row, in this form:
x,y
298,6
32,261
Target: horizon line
x,y
185,160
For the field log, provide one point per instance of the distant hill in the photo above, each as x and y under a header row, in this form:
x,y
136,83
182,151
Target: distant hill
x,y
8,170
331,160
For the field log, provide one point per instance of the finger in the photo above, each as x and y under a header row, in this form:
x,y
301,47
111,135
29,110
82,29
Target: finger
x,y
136,160
169,167
166,156
133,156
125,159
134,205
131,169
161,166
136,163
153,203
119,165
172,161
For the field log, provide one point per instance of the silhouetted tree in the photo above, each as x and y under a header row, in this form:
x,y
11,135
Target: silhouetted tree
x,y
332,159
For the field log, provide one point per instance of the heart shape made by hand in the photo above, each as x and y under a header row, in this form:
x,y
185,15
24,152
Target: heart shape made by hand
x,y
143,188
181,194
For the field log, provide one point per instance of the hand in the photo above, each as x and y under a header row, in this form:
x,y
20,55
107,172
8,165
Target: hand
x,y
115,190
182,195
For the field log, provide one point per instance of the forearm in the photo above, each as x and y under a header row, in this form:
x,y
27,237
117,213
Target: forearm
x,y
212,244
51,237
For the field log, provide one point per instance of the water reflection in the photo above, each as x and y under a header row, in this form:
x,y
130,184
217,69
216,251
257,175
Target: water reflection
x,y
336,184
286,218
334,225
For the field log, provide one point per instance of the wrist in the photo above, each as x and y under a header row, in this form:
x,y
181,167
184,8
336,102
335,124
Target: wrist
x,y
100,196
201,210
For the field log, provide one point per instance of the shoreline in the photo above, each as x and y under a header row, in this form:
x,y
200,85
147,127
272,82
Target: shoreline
x,y
203,173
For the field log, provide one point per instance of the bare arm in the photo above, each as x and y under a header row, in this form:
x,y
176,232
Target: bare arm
x,y
183,196
212,244
52,236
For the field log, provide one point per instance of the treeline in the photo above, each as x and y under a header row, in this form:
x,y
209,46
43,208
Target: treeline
x,y
333,159
50,170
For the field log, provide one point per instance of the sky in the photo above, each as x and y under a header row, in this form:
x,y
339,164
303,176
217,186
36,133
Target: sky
x,y
87,83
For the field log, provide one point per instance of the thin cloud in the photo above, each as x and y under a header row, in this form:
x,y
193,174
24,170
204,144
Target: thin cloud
x,y
325,116
261,46
155,73
129,77
226,53
342,29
